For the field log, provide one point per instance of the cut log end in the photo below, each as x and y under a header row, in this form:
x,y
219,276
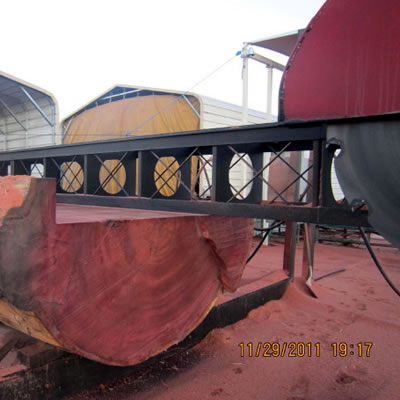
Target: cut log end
x,y
115,286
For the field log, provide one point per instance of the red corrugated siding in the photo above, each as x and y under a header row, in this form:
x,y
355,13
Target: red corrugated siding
x,y
346,64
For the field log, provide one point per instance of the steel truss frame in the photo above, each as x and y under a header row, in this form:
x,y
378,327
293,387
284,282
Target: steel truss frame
x,y
213,148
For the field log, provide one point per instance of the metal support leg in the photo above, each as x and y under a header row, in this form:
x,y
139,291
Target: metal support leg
x,y
308,252
308,260
290,249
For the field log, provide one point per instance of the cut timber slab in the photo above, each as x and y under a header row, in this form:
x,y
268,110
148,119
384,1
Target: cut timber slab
x,y
116,286
40,372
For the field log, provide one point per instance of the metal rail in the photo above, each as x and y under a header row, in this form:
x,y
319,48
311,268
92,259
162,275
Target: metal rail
x,y
190,172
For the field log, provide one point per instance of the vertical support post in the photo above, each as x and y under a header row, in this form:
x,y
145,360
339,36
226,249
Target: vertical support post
x,y
4,168
220,190
289,251
308,252
146,174
245,88
51,171
316,189
91,170
269,92
130,169
298,157
264,195
19,167
310,229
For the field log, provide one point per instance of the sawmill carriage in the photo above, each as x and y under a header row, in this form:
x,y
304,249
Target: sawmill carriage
x,y
120,278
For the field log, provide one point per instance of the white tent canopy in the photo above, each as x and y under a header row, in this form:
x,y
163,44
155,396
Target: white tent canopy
x,y
28,114
283,43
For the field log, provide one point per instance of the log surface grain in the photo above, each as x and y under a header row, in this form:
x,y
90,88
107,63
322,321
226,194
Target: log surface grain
x,y
116,286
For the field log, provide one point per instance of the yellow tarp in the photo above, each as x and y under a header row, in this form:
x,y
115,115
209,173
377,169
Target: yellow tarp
x,y
145,115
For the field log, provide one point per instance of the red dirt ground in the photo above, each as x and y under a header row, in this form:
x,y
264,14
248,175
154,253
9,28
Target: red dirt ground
x,y
355,306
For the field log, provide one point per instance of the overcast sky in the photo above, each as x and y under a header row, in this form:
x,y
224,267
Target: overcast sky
x,y
78,49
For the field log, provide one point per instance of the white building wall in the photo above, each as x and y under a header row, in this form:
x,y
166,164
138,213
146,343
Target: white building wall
x,y
215,113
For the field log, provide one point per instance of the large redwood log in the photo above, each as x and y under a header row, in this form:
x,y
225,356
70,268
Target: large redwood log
x,y
116,286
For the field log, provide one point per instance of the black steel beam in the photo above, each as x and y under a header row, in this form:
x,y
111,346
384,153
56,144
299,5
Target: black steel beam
x,y
297,131
316,215
247,135
253,140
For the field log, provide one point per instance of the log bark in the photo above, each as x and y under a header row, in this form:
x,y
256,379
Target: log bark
x,y
116,286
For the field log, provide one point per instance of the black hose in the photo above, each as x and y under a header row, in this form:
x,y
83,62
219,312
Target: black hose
x,y
262,229
329,274
373,256
266,231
